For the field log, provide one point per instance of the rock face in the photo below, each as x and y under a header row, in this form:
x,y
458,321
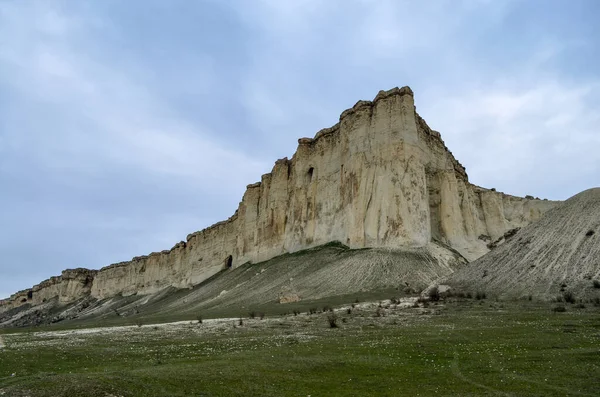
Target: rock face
x,y
378,178
559,253
71,285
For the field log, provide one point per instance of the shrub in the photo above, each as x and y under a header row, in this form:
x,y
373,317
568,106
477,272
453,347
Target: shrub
x,y
569,297
252,314
349,310
261,315
395,300
596,283
559,309
332,320
356,301
480,295
199,318
157,358
379,312
469,295
327,308
530,297
241,322
312,310
296,312
434,294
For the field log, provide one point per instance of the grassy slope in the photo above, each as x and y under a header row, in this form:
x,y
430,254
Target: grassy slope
x,y
330,274
462,348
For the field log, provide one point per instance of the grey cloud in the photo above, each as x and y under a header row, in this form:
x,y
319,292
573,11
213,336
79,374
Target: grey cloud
x,y
118,140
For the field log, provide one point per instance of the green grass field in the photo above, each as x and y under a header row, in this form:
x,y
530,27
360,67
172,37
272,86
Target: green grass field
x,y
465,348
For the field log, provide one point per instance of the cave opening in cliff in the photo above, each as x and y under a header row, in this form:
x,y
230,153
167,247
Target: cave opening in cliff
x,y
30,295
229,262
311,171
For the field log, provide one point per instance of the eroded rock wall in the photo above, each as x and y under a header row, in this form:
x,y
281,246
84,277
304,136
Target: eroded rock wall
x,y
378,178
71,285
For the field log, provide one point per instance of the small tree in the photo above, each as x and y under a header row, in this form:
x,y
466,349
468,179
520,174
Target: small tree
x,y
332,320
569,297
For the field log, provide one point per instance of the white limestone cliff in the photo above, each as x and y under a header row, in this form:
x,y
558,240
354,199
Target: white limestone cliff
x,y
378,178
71,285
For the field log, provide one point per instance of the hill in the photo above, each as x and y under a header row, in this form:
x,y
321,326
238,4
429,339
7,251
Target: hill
x,y
379,178
558,254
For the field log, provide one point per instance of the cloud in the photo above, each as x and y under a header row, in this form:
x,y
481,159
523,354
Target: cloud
x,y
128,124
548,129
117,138
97,161
502,101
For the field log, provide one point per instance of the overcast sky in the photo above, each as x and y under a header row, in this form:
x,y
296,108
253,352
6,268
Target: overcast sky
x,y
126,125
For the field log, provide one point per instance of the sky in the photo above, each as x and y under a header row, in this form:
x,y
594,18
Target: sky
x,y
126,125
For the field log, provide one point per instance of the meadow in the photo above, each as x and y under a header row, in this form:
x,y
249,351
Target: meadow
x,y
464,347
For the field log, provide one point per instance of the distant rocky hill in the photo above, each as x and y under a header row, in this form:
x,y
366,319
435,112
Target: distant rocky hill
x,y
558,254
379,178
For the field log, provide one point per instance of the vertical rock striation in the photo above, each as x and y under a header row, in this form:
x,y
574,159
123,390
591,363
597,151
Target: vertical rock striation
x,y
378,178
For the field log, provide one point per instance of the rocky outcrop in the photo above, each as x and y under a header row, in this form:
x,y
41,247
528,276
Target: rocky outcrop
x,y
378,178
71,285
